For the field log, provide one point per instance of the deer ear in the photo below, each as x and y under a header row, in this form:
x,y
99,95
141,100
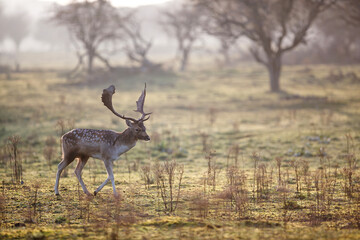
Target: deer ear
x,y
128,122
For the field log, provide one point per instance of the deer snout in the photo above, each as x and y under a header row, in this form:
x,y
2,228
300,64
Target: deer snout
x,y
143,136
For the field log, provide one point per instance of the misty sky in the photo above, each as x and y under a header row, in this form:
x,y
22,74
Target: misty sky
x,y
36,10
119,3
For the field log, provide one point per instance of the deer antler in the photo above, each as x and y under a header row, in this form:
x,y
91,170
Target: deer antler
x,y
140,106
107,100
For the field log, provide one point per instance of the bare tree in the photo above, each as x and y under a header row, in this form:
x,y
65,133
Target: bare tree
x,y
4,68
350,11
274,26
17,30
91,24
2,24
184,24
226,43
339,43
137,47
226,37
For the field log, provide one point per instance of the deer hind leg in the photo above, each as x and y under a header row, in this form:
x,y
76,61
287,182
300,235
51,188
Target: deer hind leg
x,y
81,163
68,158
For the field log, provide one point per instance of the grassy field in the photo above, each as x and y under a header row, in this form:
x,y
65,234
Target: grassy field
x,y
248,164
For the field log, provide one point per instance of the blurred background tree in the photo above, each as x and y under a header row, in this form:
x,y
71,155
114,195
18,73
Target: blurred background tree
x,y
184,24
274,27
91,26
2,24
349,11
19,29
16,27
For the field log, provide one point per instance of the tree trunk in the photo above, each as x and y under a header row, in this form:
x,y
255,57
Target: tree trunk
x,y
104,60
91,55
224,50
17,51
274,69
184,59
227,60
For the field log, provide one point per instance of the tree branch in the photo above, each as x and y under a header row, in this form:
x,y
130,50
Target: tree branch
x,y
255,53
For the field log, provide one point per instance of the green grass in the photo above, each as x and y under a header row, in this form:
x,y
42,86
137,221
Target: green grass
x,y
311,114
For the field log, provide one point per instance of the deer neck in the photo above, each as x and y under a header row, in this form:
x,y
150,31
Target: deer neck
x,y
126,138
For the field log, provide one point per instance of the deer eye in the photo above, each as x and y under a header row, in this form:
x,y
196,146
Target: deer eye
x,y
137,130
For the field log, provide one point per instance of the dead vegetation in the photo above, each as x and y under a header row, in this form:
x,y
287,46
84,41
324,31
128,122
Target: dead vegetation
x,y
287,171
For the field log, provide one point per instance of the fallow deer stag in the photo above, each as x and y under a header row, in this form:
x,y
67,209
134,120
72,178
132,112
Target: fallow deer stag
x,y
106,145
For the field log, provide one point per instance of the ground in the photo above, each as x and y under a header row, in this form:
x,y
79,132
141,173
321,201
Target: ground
x,y
221,130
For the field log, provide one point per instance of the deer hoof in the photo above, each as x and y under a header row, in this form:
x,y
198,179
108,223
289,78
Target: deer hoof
x,y
95,193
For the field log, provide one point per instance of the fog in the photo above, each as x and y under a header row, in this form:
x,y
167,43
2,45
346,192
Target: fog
x,y
37,13
29,36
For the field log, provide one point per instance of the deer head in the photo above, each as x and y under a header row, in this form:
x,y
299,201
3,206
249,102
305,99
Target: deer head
x,y
136,126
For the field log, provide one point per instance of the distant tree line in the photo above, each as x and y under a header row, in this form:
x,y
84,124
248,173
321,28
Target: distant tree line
x,y
15,27
278,31
337,38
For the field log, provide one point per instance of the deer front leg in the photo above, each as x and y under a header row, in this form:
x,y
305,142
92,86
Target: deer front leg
x,y
101,186
109,167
